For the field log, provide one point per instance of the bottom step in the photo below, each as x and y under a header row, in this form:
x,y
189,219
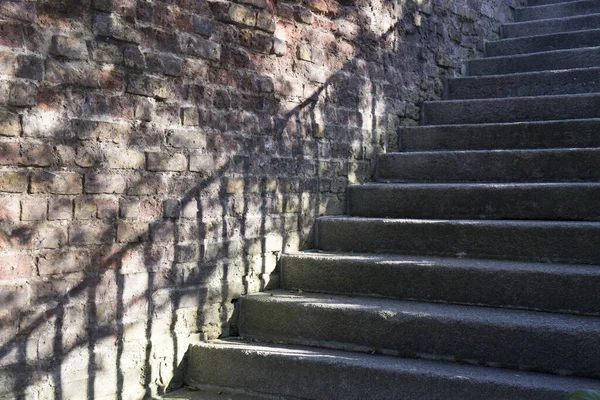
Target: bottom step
x,y
313,373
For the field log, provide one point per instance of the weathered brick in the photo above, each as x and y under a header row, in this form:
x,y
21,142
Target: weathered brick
x,y
242,15
43,123
132,232
23,94
202,163
56,182
107,53
166,162
108,208
148,86
303,15
140,208
266,22
13,182
87,233
172,208
162,232
133,57
279,46
199,47
203,26
186,253
111,25
72,48
18,10
190,139
304,52
98,130
37,154
10,124
60,209
16,266
61,262
10,153
30,67
8,63
50,236
85,207
34,209
119,158
104,183
190,116
10,209
13,296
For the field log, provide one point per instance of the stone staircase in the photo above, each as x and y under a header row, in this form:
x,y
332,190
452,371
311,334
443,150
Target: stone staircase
x,y
471,268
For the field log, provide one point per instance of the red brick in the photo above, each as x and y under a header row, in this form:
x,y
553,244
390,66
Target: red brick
x,y
86,233
60,262
10,209
10,153
16,266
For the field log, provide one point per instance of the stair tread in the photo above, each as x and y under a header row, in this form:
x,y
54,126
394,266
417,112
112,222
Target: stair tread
x,y
338,362
565,288
462,263
523,98
544,42
506,222
542,61
475,314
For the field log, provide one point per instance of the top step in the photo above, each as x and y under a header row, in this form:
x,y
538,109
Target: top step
x,y
557,10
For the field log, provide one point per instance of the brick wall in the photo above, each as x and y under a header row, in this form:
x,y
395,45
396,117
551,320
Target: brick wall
x,y
156,157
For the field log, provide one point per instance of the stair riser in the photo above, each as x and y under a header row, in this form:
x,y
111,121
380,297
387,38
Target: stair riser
x,y
547,135
538,84
555,60
477,202
558,290
537,44
543,242
270,373
545,27
415,334
557,10
512,110
503,166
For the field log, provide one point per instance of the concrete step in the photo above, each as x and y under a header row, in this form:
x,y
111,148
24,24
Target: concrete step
x,y
516,109
311,373
556,165
536,44
517,339
545,61
533,3
536,286
549,26
539,201
207,392
544,83
519,135
539,241
558,10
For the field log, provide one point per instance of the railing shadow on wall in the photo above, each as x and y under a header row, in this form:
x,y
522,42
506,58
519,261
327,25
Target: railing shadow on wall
x,y
133,308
